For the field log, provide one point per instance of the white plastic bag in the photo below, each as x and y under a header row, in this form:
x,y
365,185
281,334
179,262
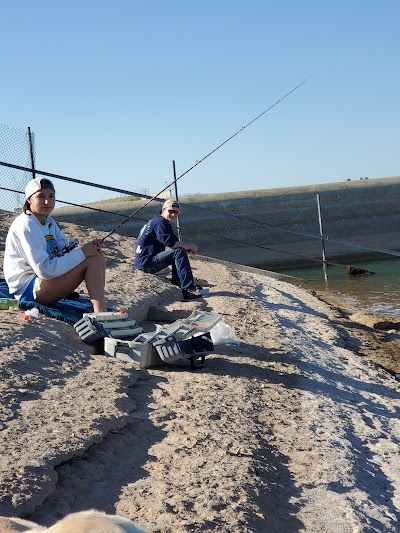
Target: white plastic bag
x,y
31,313
223,333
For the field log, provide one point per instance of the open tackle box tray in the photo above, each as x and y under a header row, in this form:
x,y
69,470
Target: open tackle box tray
x,y
95,326
183,339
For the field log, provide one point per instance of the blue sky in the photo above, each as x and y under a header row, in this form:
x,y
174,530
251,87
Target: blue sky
x,y
114,91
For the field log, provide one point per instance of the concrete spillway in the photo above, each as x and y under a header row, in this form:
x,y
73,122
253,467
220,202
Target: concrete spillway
x,y
273,228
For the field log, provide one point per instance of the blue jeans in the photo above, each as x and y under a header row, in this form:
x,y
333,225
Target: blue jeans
x,y
182,275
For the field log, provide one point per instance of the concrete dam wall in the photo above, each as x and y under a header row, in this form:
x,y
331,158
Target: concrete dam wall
x,y
273,228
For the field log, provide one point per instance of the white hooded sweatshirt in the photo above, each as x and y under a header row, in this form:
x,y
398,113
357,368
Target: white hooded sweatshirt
x,y
32,250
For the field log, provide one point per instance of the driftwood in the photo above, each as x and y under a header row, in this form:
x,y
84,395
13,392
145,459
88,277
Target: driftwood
x,y
357,271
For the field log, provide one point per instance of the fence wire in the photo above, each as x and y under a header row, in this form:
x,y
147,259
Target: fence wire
x,y
14,149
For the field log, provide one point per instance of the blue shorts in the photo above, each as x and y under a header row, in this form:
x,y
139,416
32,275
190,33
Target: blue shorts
x,y
28,294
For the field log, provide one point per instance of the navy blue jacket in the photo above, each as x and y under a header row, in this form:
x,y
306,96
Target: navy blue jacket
x,y
154,237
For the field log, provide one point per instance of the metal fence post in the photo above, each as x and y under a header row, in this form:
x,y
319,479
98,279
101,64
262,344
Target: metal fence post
x,y
31,153
321,231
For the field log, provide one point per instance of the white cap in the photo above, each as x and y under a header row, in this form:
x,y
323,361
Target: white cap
x,y
171,203
36,185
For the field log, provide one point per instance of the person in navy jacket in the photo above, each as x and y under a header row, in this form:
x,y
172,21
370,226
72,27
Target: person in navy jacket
x,y
157,247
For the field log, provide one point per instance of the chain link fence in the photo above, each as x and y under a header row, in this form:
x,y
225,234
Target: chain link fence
x,y
16,148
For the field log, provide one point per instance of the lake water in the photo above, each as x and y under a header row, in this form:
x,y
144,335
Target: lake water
x,y
376,293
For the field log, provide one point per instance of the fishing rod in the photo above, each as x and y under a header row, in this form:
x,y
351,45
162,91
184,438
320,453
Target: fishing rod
x,y
74,180
176,179
76,205
254,245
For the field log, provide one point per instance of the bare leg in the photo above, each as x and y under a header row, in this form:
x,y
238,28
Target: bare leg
x,y
92,270
95,281
103,266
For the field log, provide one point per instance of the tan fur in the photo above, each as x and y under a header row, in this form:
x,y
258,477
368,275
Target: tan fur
x,y
14,525
94,522
83,522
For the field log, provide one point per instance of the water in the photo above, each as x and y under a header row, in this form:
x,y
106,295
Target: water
x,y
377,293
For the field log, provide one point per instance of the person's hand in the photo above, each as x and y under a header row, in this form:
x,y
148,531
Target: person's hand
x,y
90,249
192,248
98,243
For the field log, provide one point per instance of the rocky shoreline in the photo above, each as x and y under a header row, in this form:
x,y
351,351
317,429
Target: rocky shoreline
x,y
295,429
378,336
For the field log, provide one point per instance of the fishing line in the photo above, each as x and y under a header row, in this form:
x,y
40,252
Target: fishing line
x,y
189,231
239,217
246,243
259,222
151,198
48,174
294,232
206,156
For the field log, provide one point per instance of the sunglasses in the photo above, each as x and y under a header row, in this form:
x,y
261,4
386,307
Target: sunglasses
x,y
173,211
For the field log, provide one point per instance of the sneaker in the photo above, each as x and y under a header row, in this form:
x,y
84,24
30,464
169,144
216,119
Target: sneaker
x,y
190,295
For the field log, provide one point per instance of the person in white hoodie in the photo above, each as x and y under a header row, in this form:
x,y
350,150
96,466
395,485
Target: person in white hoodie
x,y
37,264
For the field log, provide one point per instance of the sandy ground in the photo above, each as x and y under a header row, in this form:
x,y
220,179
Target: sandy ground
x,y
296,429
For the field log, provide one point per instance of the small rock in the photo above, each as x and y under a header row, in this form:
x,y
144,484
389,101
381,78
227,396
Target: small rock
x,y
373,321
